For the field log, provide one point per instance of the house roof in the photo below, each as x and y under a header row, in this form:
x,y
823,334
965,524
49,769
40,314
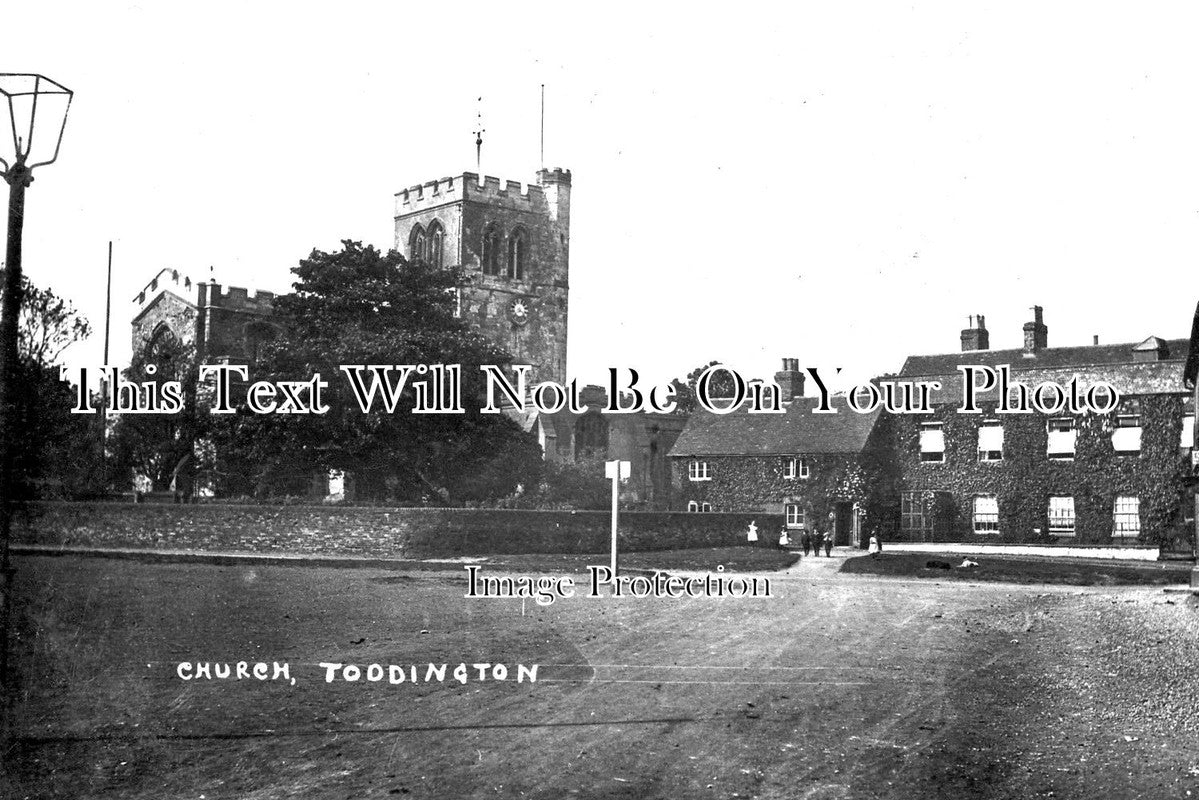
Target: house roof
x,y
1145,378
1192,364
1049,357
796,432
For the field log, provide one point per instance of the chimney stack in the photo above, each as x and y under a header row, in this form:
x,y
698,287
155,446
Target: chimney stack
x,y
1036,335
976,337
789,380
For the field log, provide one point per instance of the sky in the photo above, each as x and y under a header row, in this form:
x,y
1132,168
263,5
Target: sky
x,y
839,183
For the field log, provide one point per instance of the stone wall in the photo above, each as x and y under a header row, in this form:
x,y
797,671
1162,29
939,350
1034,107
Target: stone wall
x,y
393,533
169,310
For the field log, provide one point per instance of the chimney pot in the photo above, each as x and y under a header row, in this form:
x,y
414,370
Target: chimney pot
x,y
976,337
790,380
1036,335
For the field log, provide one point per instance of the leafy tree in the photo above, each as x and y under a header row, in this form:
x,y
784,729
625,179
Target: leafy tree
x,y
360,306
571,485
48,324
721,385
56,453
160,446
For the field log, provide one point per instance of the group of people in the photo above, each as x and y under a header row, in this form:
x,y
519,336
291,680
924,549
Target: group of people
x,y
811,541
814,540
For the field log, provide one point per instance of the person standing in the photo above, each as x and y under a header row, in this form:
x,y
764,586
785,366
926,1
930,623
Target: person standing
x,y
828,543
805,540
817,539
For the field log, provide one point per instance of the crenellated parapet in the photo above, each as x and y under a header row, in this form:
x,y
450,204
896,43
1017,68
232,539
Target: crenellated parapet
x,y
236,298
167,280
468,187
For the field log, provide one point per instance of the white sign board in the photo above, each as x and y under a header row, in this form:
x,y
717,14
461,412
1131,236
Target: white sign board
x,y
617,469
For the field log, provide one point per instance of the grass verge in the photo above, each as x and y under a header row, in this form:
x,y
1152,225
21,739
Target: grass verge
x,y
1012,569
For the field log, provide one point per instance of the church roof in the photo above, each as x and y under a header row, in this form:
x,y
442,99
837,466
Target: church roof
x,y
798,431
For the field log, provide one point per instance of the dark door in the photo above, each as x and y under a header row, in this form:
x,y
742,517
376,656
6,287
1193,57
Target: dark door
x,y
844,524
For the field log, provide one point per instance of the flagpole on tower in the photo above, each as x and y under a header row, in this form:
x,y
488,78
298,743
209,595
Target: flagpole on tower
x,y
479,131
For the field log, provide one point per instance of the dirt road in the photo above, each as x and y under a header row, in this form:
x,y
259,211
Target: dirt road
x,y
837,686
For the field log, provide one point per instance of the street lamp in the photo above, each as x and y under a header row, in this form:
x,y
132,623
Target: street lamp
x,y
37,116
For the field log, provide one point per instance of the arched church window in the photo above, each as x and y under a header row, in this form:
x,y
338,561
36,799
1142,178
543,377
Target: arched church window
x,y
416,244
591,435
491,251
257,336
518,253
436,243
164,350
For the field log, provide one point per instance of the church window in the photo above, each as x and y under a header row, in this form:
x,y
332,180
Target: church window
x,y
517,254
491,251
436,244
416,244
591,435
257,336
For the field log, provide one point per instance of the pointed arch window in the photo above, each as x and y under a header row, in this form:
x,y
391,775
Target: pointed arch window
x,y
416,244
491,251
518,253
436,244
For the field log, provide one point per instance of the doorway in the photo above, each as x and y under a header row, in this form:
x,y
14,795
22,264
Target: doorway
x,y
844,528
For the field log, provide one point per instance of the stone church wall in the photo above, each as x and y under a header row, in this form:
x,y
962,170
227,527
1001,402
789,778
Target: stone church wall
x,y
394,532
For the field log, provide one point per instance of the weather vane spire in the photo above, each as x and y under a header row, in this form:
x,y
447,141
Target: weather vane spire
x,y
479,131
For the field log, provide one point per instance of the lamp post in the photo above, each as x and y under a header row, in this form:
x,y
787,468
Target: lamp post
x,y
37,116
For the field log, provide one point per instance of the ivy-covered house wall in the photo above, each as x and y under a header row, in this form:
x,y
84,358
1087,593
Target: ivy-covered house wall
x,y
1024,479
760,483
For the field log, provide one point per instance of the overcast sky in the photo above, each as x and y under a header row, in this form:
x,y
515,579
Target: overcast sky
x,y
842,183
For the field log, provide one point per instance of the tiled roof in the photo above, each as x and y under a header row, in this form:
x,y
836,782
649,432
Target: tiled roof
x,y
1049,357
1192,365
1149,377
797,432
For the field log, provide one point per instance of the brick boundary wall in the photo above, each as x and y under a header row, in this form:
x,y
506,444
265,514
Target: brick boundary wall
x,y
383,532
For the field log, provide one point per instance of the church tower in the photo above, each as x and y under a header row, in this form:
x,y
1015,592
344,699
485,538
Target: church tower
x,y
514,242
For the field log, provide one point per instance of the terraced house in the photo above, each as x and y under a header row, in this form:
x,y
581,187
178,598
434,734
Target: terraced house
x,y
812,469
1086,478
1102,478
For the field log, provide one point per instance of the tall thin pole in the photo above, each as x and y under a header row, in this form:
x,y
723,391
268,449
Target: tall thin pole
x,y
18,178
104,384
108,303
615,467
543,126
479,131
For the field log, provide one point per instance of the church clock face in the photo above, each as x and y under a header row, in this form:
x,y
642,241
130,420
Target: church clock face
x,y
519,311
